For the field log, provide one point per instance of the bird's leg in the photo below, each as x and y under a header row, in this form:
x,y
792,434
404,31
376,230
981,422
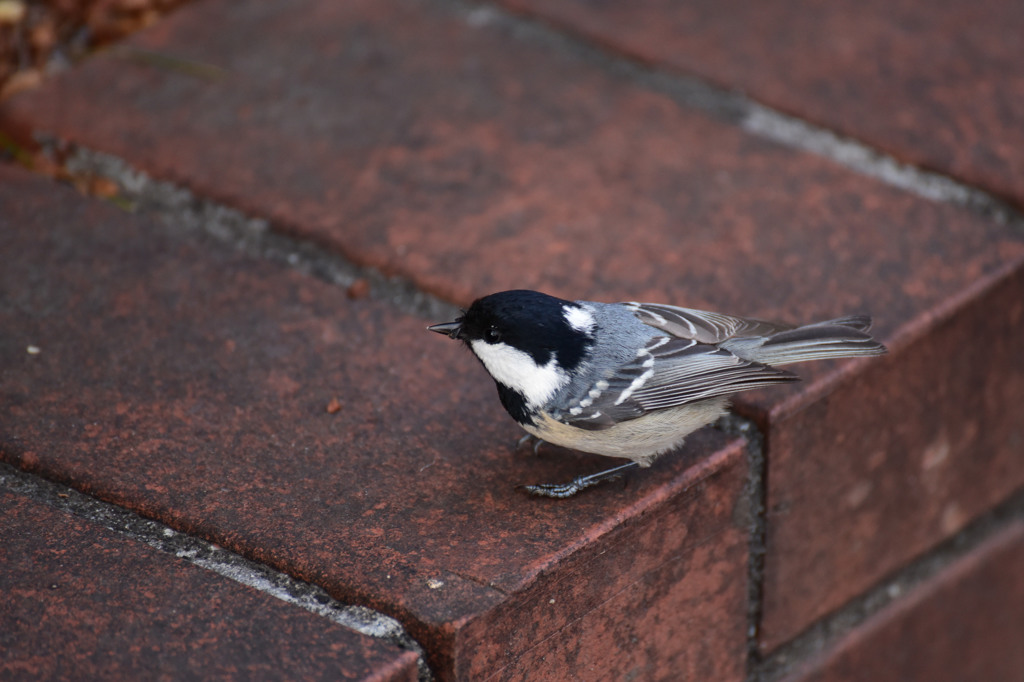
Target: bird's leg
x,y
526,439
563,490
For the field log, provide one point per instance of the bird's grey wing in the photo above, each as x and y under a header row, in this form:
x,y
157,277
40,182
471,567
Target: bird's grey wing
x,y
700,325
668,372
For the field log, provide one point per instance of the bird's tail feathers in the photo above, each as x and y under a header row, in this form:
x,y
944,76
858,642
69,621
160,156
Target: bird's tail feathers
x,y
859,322
843,337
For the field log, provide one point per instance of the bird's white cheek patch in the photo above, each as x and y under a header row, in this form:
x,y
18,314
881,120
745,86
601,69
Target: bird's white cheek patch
x,y
518,371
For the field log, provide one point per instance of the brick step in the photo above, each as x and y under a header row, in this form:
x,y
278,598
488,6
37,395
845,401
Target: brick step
x,y
437,144
190,384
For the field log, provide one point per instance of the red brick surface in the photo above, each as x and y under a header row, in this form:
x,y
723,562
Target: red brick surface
x,y
80,602
963,624
934,83
656,599
192,386
469,161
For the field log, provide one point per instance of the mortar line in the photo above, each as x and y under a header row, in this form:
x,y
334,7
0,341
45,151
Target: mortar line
x,y
211,557
826,632
755,492
180,209
732,107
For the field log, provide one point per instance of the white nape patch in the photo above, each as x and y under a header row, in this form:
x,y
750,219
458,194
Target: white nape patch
x,y
518,371
579,318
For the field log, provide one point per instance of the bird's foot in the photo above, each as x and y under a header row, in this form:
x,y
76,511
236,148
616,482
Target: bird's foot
x,y
561,491
537,442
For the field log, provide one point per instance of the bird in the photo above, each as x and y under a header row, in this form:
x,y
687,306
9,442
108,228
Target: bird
x,y
632,380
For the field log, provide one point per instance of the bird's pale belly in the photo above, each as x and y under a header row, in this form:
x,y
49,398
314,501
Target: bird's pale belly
x,y
641,439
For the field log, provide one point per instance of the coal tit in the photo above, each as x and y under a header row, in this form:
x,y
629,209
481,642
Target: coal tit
x,y
632,380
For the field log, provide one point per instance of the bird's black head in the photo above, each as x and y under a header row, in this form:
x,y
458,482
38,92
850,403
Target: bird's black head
x,y
542,326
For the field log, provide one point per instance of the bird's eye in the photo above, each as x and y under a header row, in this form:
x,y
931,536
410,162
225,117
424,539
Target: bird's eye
x,y
492,335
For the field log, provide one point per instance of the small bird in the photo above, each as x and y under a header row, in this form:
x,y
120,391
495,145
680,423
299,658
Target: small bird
x,y
632,380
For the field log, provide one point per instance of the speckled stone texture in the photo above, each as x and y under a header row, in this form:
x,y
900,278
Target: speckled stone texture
x,y
963,624
917,461
936,84
442,146
587,616
81,602
191,385
408,137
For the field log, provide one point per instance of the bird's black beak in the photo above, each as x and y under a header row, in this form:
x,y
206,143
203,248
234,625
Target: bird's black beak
x,y
450,329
